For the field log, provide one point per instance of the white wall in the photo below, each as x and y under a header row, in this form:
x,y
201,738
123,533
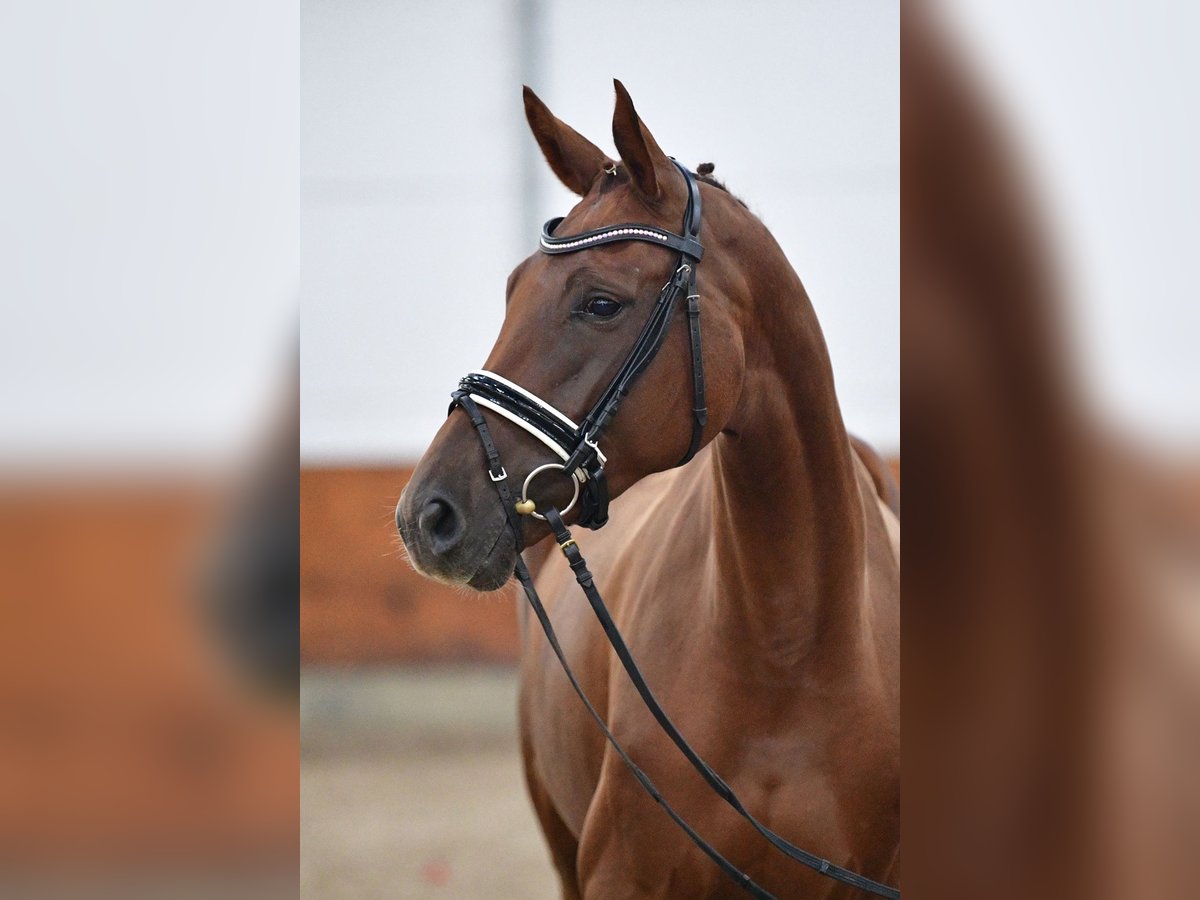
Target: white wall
x,y
412,127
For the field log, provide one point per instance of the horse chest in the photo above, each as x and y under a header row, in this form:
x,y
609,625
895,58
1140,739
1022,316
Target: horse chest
x,y
787,758
744,728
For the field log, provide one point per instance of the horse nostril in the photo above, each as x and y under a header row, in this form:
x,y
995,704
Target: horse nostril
x,y
442,524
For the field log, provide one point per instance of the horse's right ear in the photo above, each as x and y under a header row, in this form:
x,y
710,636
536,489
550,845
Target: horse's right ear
x,y
575,160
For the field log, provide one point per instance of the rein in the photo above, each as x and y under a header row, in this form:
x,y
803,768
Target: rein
x,y
583,462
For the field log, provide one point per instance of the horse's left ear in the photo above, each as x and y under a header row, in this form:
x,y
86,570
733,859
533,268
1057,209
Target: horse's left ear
x,y
649,168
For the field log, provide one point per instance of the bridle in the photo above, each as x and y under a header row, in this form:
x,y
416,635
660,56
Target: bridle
x,y
576,446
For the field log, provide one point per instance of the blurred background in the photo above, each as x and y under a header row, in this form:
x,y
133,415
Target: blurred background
x,y
1052,436
175,181
420,190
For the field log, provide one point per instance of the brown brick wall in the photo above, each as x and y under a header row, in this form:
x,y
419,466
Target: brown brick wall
x,y
360,602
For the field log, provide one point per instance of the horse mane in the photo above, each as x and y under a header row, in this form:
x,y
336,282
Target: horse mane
x,y
704,172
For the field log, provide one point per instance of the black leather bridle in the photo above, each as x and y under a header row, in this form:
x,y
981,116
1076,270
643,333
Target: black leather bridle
x,y
576,445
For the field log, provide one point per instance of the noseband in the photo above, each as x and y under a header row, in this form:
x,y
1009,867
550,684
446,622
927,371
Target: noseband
x,y
577,446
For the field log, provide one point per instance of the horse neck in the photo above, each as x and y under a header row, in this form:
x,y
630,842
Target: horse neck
x,y
789,522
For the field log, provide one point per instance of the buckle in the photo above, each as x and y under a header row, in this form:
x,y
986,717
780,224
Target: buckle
x,y
595,445
503,474
679,278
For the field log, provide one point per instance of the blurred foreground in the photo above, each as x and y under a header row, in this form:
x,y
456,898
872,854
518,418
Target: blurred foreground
x,y
1052,547
148,730
148,428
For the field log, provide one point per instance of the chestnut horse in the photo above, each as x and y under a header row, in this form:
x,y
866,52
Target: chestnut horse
x,y
757,586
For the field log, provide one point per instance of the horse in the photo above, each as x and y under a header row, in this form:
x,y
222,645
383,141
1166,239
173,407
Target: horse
x,y
757,586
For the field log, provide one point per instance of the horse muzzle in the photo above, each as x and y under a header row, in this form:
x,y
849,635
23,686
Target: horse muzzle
x,y
448,541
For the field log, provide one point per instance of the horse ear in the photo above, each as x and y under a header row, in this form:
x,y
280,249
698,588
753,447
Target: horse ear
x,y
575,160
647,165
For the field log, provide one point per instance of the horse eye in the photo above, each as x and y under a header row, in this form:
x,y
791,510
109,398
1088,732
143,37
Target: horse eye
x,y
602,307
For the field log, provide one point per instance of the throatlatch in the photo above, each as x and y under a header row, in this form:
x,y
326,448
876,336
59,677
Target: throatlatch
x,y
576,445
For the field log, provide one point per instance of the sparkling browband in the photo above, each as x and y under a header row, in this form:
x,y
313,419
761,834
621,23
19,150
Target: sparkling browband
x,y
629,231
579,243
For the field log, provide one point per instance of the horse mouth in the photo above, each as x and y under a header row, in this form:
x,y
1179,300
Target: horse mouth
x,y
497,566
484,563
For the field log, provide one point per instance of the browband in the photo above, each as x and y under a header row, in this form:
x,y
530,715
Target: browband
x,y
611,234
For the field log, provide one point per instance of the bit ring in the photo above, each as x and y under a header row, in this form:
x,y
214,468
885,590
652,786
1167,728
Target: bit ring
x,y
534,474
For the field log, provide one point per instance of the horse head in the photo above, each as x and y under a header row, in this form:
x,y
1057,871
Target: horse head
x,y
570,321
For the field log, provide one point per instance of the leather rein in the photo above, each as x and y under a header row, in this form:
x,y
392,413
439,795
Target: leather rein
x,y
576,446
